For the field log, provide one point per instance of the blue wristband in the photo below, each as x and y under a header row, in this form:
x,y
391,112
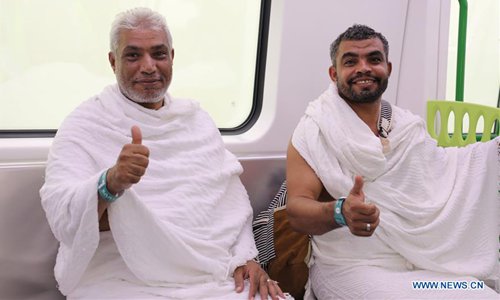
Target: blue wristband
x,y
337,212
103,191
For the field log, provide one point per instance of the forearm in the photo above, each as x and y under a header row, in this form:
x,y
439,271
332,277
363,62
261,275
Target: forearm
x,y
101,208
310,216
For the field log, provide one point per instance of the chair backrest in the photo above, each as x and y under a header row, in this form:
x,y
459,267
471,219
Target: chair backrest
x,y
460,110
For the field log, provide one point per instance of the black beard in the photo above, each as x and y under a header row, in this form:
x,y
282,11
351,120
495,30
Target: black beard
x,y
348,94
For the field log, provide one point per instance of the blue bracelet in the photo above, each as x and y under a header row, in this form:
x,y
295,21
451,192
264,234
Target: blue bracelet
x,y
337,212
103,191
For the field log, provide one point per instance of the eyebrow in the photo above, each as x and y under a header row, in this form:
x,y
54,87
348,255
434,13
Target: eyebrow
x,y
352,54
159,47
135,48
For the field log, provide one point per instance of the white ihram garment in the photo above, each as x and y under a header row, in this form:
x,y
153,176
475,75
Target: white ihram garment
x,y
438,206
180,232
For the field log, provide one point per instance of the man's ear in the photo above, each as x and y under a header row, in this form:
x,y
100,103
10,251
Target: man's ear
x,y
112,60
389,68
172,54
332,71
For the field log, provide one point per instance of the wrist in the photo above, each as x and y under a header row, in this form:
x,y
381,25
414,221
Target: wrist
x,y
111,184
256,260
104,193
338,215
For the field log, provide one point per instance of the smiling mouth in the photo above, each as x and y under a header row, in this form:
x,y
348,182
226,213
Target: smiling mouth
x,y
149,84
363,81
147,81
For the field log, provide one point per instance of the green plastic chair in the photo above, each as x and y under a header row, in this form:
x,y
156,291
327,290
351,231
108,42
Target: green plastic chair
x,y
474,111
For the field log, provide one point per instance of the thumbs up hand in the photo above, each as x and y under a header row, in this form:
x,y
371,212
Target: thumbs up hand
x,y
130,165
361,218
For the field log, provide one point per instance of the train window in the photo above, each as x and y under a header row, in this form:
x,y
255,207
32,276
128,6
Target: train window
x,y
482,61
482,56
54,56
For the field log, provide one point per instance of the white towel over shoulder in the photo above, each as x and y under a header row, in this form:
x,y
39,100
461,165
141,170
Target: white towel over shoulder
x,y
186,223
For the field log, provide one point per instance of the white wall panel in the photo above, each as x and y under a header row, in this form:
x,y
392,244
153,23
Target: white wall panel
x,y
298,59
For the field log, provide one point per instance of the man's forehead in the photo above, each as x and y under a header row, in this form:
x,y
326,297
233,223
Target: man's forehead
x,y
368,45
142,39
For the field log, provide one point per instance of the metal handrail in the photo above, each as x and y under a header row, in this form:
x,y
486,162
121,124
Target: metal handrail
x,y
462,43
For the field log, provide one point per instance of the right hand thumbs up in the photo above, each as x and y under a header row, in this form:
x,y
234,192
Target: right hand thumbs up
x,y
130,165
359,214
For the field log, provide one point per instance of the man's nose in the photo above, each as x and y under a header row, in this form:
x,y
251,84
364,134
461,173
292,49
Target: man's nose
x,y
363,66
148,64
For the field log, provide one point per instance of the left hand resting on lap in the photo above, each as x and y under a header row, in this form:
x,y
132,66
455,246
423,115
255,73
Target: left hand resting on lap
x,y
259,280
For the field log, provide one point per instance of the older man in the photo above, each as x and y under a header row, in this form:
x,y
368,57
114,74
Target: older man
x,y
179,216
392,215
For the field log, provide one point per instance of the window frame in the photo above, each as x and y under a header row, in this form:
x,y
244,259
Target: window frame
x,y
260,70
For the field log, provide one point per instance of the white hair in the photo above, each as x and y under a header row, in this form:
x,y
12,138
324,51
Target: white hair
x,y
140,17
